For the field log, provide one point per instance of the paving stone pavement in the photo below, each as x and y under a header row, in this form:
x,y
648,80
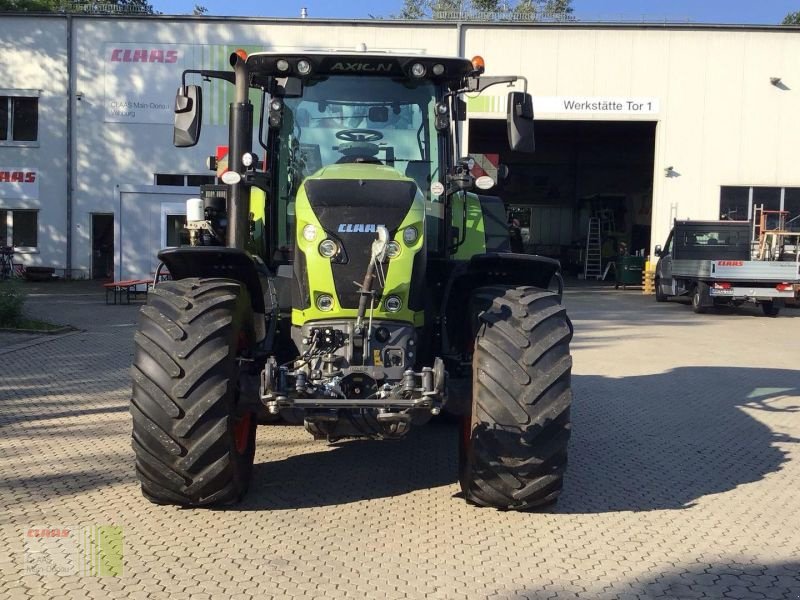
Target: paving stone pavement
x,y
684,476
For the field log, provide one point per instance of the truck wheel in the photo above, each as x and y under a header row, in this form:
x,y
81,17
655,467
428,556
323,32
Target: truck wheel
x,y
513,447
660,295
697,300
769,309
194,444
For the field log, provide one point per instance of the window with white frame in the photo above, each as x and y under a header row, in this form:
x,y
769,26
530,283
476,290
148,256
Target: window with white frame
x,y
19,117
737,202
19,228
173,221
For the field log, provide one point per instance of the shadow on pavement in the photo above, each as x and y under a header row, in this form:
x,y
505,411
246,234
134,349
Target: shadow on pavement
x,y
639,443
355,470
663,441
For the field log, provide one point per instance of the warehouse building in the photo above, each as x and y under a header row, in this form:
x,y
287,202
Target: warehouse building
x,y
637,124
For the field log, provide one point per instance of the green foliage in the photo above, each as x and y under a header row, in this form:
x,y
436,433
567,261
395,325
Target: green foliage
x,y
199,10
793,18
558,6
412,9
12,301
486,5
479,9
77,6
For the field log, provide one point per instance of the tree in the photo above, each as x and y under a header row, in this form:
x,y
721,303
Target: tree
x,y
77,6
793,18
412,9
558,7
199,10
28,5
523,10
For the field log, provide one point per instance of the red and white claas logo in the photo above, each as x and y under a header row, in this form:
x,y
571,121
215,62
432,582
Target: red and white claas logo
x,y
17,176
144,55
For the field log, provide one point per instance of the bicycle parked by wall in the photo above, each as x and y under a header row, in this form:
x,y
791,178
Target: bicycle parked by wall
x,y
8,268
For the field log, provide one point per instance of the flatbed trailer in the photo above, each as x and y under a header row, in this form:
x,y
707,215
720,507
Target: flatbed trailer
x,y
709,261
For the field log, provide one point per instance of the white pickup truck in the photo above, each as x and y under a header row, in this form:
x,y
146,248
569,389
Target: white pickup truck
x,y
709,261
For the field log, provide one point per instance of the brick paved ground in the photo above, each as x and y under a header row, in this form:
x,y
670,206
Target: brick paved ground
x,y
684,479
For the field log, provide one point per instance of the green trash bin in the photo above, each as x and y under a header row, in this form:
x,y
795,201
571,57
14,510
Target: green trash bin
x,y
628,270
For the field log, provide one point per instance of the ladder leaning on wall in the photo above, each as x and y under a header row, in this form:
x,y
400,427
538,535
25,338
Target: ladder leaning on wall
x,y
593,261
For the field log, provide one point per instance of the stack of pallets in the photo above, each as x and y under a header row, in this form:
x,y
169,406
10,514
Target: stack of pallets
x,y
648,279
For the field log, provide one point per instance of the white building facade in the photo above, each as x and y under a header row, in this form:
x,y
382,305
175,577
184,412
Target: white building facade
x,y
90,181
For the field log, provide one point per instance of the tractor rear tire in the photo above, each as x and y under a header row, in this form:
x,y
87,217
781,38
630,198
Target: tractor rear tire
x,y
513,449
194,444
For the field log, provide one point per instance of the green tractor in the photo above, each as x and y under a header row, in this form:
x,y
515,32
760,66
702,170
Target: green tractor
x,y
352,279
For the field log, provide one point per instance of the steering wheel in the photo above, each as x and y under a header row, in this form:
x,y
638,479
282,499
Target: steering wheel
x,y
359,135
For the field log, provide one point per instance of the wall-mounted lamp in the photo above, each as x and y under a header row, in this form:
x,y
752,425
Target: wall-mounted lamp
x,y
79,96
667,171
776,81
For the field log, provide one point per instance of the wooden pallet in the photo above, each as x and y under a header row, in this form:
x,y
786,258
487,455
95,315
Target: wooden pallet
x,y
649,282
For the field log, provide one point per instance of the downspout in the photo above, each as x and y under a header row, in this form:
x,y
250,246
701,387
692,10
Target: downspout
x,y
70,88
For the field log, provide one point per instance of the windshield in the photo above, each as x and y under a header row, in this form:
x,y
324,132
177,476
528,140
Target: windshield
x,y
350,119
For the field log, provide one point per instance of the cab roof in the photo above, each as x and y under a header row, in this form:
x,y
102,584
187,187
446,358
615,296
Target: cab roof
x,y
361,64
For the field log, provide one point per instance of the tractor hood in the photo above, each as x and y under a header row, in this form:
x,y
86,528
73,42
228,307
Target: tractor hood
x,y
347,203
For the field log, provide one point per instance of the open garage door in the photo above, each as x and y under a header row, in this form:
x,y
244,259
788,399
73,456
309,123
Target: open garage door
x,y
581,170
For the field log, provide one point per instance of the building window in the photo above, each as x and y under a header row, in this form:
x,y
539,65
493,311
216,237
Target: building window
x,y
737,203
791,204
19,228
177,235
184,180
19,118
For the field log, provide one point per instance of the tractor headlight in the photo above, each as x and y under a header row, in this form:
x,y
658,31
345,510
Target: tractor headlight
x,y
393,303
328,248
309,233
282,65
303,67
410,235
324,302
438,69
418,70
392,249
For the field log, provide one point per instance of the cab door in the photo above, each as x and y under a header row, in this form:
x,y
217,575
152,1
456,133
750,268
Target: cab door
x,y
664,269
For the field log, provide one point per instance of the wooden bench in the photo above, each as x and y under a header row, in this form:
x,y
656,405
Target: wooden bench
x,y
116,289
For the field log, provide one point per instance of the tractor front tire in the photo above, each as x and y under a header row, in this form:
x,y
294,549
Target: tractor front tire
x,y
194,444
513,450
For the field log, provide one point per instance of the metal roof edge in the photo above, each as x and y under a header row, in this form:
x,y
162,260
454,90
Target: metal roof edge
x,y
670,25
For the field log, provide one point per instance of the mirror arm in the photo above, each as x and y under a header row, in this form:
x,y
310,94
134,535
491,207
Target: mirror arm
x,y
478,84
259,179
224,75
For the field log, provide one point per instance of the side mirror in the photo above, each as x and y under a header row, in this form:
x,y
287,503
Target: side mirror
x,y
520,122
188,116
657,251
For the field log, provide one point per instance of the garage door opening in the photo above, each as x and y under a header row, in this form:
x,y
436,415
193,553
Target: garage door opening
x,y
581,170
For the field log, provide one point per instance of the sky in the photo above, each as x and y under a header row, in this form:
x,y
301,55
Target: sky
x,y
769,12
